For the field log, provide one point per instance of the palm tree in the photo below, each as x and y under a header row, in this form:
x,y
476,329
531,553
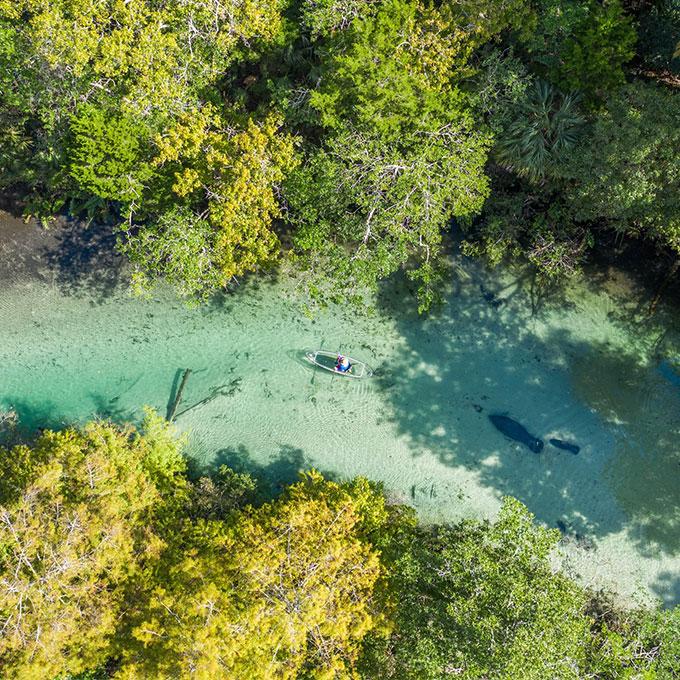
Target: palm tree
x,y
547,126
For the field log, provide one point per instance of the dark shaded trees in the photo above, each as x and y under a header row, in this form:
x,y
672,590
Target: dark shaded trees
x,y
582,45
537,143
481,601
627,174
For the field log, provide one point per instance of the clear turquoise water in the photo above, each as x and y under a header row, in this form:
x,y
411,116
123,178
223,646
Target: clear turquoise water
x,y
586,366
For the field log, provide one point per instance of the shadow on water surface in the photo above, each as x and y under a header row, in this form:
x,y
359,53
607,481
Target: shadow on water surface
x,y
85,260
475,358
108,409
34,415
667,586
280,469
640,405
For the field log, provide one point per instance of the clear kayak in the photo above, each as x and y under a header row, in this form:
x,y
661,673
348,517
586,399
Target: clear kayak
x,y
328,360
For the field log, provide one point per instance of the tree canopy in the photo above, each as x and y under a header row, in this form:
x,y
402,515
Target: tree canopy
x,y
283,591
344,135
114,564
76,523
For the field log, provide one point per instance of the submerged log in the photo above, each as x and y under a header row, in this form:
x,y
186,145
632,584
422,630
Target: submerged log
x,y
666,280
179,394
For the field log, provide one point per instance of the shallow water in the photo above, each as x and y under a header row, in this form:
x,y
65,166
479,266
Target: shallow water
x,y
587,366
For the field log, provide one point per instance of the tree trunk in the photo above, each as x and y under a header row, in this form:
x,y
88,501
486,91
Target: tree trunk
x,y
179,394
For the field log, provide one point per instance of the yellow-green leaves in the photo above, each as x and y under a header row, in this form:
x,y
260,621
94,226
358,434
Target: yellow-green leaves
x,y
233,171
153,54
68,542
283,590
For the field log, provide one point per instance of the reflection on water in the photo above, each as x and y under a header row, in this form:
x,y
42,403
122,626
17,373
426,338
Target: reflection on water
x,y
585,365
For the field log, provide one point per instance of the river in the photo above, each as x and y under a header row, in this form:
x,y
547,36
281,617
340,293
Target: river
x,y
584,363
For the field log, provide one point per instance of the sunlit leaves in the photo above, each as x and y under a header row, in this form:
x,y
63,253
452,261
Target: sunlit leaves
x,y
71,532
401,155
282,592
106,155
141,61
480,601
179,247
324,17
153,54
392,73
382,204
229,176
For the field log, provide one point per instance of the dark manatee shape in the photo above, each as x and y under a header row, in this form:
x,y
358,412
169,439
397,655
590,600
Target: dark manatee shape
x,y
566,446
512,429
491,297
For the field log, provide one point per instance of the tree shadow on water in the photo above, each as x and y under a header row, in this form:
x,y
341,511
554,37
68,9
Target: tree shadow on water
x,y
85,260
667,586
110,409
640,404
473,359
280,469
33,418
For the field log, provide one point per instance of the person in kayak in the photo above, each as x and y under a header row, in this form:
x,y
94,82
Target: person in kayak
x,y
343,364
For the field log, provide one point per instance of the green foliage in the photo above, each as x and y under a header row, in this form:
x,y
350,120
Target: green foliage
x,y
388,82
498,87
396,70
129,52
594,56
481,601
324,17
107,155
583,45
96,674
72,537
539,140
179,248
218,496
364,208
140,66
113,565
522,219
628,172
283,591
402,155
558,245
636,645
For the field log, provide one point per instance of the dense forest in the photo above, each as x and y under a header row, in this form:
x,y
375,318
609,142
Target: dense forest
x,y
116,561
341,139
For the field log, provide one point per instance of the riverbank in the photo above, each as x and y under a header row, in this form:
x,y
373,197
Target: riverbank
x,y
65,253
78,256
582,363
